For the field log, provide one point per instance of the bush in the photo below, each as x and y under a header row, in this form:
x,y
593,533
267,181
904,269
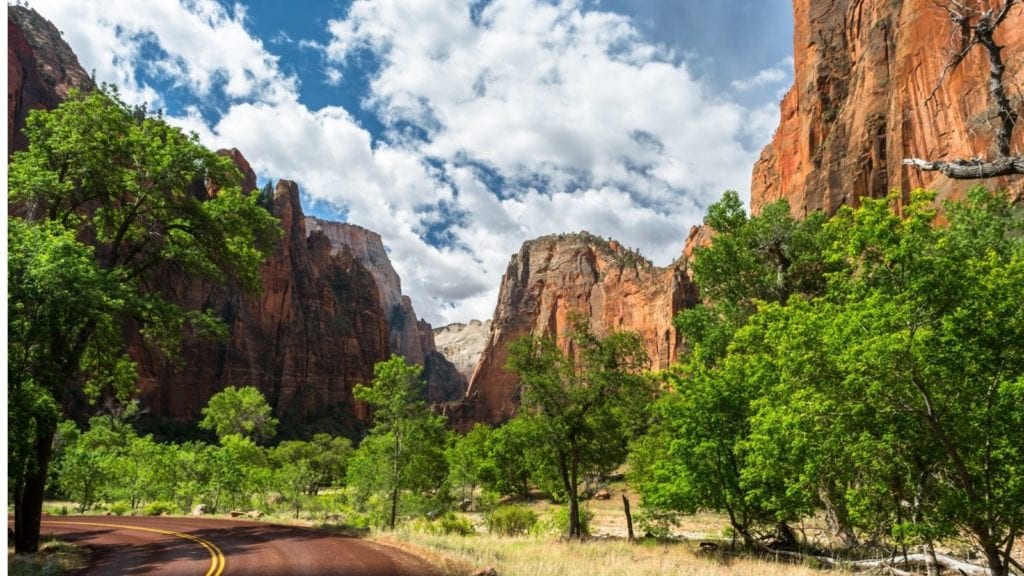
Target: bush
x,y
450,523
159,508
119,508
510,520
558,523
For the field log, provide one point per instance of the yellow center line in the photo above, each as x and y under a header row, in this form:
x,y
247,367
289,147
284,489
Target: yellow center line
x,y
217,560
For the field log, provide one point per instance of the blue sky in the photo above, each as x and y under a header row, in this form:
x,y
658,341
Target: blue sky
x,y
458,129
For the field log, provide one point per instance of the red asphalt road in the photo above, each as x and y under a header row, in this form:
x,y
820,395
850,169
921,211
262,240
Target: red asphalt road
x,y
135,546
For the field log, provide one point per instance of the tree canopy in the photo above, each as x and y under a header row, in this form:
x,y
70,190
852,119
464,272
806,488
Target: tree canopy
x,y
105,198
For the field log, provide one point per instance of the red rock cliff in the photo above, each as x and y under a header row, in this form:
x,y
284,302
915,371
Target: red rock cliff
x,y
859,105
311,335
412,338
41,69
552,277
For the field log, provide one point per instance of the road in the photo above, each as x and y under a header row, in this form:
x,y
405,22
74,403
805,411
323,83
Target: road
x,y
218,547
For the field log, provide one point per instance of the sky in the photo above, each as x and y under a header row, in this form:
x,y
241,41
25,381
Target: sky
x,y
458,129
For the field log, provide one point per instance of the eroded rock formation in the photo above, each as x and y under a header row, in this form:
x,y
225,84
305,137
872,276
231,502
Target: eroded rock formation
x,y
311,335
862,101
41,69
463,343
408,336
554,276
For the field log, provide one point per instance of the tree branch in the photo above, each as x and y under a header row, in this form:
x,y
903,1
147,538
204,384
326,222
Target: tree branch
x,y
971,169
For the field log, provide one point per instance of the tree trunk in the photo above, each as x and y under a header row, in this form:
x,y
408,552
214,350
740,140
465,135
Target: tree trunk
x,y
629,517
575,527
28,505
563,471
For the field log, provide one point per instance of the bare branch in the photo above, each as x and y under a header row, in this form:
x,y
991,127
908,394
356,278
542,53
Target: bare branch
x,y
971,169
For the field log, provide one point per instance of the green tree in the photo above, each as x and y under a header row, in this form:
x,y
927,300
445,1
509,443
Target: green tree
x,y
404,450
243,411
467,456
132,187
583,407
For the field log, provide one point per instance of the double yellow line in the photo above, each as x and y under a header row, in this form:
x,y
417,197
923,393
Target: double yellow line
x,y
217,560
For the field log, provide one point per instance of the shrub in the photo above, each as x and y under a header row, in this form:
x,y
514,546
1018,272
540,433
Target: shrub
x,y
120,508
558,522
159,508
510,520
451,523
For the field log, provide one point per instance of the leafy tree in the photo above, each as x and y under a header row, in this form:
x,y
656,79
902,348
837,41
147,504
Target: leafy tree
x,y
582,407
937,351
516,458
467,456
132,187
404,450
242,411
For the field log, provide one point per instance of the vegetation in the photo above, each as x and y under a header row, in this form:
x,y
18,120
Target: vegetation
x,y
583,408
886,393
244,412
106,198
404,450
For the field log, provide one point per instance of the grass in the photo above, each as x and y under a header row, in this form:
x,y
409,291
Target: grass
x,y
55,557
533,556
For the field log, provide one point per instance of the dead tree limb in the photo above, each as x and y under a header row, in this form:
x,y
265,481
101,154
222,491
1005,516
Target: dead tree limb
x,y
977,27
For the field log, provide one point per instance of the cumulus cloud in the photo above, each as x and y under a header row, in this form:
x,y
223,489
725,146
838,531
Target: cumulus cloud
x,y
197,44
503,121
773,76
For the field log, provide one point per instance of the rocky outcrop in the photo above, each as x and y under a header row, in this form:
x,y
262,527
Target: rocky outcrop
x,y
555,276
862,101
313,333
463,343
41,69
407,336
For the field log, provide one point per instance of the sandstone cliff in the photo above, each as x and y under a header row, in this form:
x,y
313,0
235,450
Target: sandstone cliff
x,y
41,69
412,338
552,277
463,343
311,335
859,105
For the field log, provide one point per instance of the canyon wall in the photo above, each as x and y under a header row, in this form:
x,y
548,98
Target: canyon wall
x,y
862,101
552,277
408,336
41,69
462,344
313,332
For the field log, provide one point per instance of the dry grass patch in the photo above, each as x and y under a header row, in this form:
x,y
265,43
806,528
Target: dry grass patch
x,y
55,557
531,556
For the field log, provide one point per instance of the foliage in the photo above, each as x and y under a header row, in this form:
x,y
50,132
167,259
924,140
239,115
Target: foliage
x,y
159,508
467,456
404,451
892,399
582,409
132,187
243,411
511,520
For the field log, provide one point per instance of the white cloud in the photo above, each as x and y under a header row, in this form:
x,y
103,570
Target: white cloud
x,y
200,45
777,74
584,124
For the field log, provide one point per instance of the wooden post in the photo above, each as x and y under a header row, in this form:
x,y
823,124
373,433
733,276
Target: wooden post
x,y
629,517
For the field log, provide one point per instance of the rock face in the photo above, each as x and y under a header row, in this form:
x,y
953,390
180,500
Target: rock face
x,y
41,69
311,335
859,105
551,278
463,344
412,338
